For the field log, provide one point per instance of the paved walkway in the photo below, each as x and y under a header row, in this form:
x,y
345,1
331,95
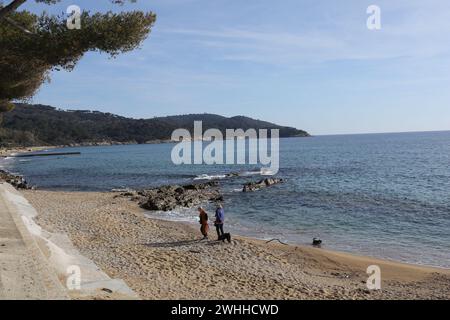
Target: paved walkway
x,y
24,272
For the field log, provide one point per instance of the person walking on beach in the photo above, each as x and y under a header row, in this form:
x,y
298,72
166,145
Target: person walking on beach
x,y
203,222
220,219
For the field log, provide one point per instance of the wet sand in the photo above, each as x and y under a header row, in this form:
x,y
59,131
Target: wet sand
x,y
167,260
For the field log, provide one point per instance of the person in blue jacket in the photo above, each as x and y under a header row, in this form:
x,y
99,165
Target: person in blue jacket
x,y
220,219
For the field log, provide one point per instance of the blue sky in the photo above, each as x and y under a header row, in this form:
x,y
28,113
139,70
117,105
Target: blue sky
x,y
312,64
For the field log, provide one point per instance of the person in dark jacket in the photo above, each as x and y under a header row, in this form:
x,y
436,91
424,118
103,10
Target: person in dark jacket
x,y
203,216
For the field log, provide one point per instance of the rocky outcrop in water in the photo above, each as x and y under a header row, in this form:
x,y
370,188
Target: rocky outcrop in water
x,y
253,186
16,181
167,198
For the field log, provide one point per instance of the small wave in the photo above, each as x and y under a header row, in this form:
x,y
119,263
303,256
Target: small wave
x,y
181,215
267,172
210,177
230,175
261,172
250,173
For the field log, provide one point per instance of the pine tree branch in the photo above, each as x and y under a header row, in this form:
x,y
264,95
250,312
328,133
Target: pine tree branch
x,y
16,25
10,8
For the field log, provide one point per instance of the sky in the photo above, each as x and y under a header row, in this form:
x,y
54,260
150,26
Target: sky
x,y
310,64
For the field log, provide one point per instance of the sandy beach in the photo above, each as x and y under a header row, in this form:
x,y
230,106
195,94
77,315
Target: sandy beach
x,y
166,260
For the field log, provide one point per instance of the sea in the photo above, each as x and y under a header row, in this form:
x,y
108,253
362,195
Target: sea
x,y
380,195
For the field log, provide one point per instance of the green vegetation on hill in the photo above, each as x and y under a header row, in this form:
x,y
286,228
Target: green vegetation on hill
x,y
32,125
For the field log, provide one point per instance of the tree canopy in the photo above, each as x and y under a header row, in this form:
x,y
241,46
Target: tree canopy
x,y
32,45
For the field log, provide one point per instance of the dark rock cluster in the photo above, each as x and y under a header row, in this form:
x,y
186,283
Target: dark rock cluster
x,y
167,198
16,181
253,186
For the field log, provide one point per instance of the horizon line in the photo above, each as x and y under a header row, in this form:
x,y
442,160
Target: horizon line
x,y
382,132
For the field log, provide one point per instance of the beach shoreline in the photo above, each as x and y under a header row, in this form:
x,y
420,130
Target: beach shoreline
x,y
161,259
117,235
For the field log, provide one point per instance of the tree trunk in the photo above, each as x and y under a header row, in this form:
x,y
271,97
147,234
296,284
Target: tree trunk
x,y
10,8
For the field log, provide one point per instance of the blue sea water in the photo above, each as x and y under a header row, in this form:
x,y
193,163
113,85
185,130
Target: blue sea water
x,y
382,195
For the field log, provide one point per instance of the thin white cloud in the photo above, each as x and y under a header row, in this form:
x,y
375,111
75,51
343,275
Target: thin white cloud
x,y
420,31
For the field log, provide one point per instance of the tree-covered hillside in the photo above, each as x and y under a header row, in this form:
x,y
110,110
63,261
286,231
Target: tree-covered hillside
x,y
29,125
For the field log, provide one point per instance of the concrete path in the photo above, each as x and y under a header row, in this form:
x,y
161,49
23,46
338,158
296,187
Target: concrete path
x,y
24,271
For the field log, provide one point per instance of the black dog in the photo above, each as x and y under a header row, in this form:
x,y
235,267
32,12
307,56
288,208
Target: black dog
x,y
316,242
225,236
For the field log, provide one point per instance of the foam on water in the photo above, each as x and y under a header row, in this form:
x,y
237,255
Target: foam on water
x,y
178,215
210,177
